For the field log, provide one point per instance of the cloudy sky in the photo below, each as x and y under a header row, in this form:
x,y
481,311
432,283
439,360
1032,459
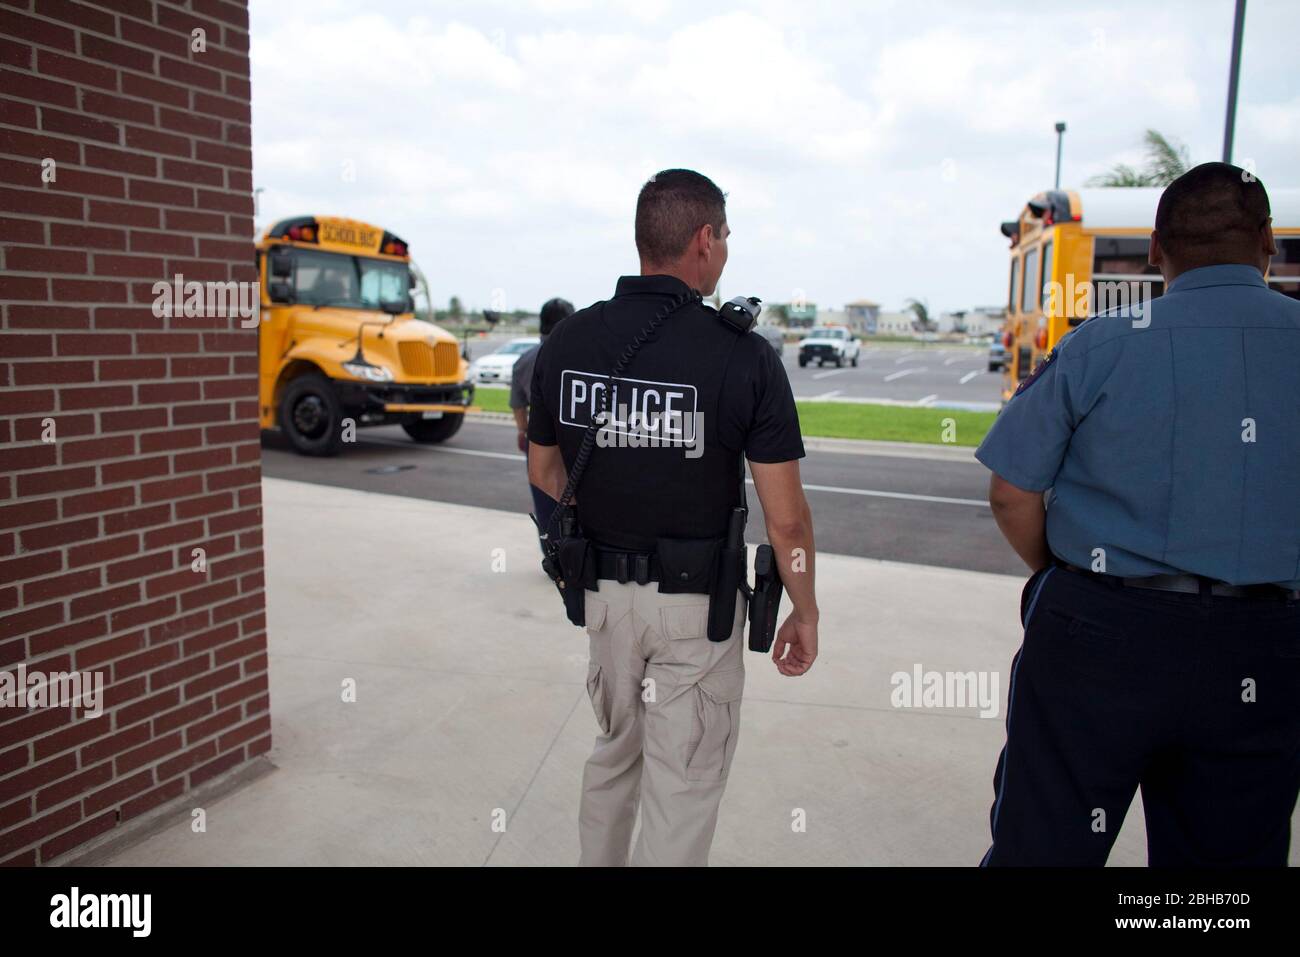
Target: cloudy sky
x,y
868,149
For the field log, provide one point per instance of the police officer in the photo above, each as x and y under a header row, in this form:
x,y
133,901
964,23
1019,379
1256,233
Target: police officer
x,y
661,484
1162,630
521,379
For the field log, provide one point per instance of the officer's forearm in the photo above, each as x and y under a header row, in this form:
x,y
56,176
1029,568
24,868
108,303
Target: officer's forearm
x,y
521,419
792,545
1022,520
546,469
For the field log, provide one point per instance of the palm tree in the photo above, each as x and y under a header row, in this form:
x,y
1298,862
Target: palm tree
x,y
1166,161
922,313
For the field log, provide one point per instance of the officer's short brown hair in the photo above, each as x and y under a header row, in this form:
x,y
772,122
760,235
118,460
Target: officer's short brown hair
x,y
1212,213
671,207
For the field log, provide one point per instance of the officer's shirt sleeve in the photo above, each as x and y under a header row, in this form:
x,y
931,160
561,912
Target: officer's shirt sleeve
x,y
1027,443
773,434
543,396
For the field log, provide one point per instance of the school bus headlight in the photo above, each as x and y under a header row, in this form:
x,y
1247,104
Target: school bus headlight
x,y
365,370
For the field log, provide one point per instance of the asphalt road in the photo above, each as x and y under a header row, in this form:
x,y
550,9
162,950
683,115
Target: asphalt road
x,y
929,373
920,510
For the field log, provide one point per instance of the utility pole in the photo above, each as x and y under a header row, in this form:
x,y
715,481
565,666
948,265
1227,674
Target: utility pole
x,y
1060,135
1238,22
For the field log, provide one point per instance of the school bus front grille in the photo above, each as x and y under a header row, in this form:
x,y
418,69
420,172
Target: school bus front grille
x,y
423,361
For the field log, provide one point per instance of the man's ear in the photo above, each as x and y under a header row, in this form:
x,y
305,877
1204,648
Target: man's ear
x,y
1270,243
1156,255
704,240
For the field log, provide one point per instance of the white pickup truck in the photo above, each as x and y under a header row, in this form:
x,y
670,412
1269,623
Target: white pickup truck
x,y
825,344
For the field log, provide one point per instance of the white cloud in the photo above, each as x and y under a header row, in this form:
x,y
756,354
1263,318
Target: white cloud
x,y
866,150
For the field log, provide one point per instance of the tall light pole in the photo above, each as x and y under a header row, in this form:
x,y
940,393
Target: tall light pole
x,y
1060,135
1238,22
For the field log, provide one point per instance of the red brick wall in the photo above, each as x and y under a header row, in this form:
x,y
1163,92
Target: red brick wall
x,y
156,449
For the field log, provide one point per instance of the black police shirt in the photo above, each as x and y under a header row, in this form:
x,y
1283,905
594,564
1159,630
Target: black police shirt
x,y
695,397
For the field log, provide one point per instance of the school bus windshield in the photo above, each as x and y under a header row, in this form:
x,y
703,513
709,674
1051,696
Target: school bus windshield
x,y
350,282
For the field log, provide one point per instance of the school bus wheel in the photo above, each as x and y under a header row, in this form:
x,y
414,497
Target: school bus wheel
x,y
430,431
311,415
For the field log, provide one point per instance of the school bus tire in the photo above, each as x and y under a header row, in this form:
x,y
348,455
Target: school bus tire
x,y
430,431
311,416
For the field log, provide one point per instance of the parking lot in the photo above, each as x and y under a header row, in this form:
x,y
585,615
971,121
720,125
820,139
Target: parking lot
x,y
922,373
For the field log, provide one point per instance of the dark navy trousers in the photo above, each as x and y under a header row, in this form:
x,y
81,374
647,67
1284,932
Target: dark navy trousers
x,y
1194,699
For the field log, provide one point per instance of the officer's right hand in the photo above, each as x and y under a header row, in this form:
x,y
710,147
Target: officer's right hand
x,y
800,637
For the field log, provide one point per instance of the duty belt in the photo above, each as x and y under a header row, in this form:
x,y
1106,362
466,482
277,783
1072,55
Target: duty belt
x,y
624,567
1195,585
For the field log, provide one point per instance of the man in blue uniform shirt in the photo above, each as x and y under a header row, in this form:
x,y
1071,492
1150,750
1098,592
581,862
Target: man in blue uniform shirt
x,y
1147,475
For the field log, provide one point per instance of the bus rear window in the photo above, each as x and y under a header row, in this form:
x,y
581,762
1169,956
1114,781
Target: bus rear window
x,y
1028,299
1121,256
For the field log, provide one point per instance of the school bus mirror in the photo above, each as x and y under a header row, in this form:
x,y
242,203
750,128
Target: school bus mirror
x,y
281,263
281,290
394,307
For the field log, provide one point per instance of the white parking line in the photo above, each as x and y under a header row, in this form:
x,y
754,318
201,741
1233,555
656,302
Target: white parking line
x,y
901,359
902,372
967,377
515,457
949,362
823,375
826,395
905,496
927,400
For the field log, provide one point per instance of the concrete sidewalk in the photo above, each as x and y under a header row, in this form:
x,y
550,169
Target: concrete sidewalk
x,y
471,704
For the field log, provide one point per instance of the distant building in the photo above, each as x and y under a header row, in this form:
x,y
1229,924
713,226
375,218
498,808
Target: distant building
x,y
980,321
863,315
895,323
795,315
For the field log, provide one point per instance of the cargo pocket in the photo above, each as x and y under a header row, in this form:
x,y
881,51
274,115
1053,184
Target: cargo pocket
x,y
684,621
717,725
596,611
599,695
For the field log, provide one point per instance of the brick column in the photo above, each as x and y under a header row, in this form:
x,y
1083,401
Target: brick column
x,y
129,440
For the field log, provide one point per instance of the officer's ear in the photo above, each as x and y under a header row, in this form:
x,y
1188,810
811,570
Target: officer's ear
x,y
1155,255
704,240
1269,246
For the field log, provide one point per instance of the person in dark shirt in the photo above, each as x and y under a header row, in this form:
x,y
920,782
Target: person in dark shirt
x,y
553,312
698,398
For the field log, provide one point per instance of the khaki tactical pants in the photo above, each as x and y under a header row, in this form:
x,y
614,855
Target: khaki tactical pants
x,y
668,704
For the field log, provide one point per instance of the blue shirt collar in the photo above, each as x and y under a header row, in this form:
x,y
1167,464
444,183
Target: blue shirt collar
x,y
1228,274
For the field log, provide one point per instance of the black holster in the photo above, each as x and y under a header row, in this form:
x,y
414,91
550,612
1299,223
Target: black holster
x,y
764,601
729,579
569,563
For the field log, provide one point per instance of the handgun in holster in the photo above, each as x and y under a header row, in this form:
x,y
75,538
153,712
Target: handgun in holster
x,y
568,562
730,578
764,600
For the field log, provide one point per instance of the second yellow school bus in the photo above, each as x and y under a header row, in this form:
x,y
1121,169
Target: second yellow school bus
x,y
338,343
1074,253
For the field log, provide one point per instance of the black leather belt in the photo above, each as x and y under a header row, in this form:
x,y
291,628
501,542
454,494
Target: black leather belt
x,y
1194,585
624,567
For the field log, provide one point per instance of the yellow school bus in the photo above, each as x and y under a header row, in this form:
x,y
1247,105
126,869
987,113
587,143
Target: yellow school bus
x,y
1075,253
339,346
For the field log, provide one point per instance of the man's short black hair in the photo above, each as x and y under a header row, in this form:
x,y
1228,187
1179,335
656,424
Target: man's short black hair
x,y
552,312
1212,213
672,206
